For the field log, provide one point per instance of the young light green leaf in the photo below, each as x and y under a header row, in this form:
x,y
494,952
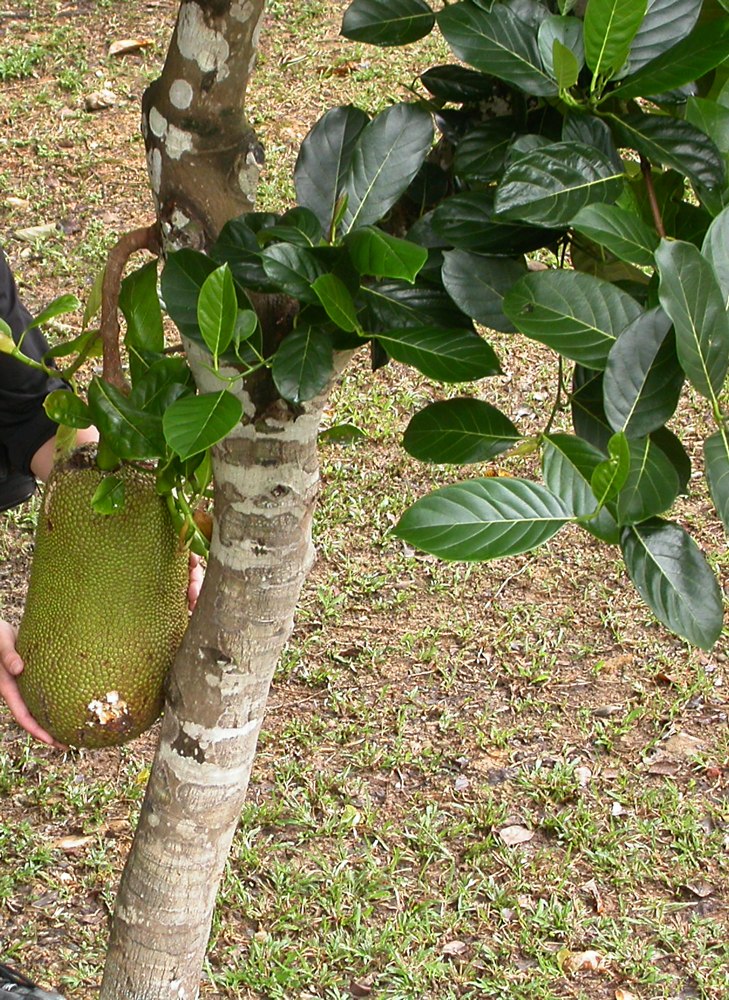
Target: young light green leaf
x,y
377,253
565,66
609,477
387,22
691,296
610,27
67,408
442,354
551,184
483,519
499,43
59,307
459,431
716,457
303,364
673,578
217,311
621,232
338,303
567,31
643,378
575,314
194,423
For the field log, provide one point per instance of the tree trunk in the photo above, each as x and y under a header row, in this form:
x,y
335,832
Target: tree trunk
x,y
204,162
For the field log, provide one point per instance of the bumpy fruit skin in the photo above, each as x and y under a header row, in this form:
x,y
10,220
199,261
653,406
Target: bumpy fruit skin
x,y
106,609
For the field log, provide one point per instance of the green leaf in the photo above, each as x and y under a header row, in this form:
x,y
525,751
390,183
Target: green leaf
x,y
160,385
587,409
673,578
339,305
67,408
458,84
651,485
183,276
109,495
575,314
610,27
569,52
217,311
133,434
568,464
59,307
665,24
194,423
376,253
676,454
716,458
459,431
621,232
443,355
499,43
673,143
609,477
477,284
643,378
467,222
139,302
481,153
303,364
387,22
482,519
387,155
691,296
551,184
711,118
591,131
238,247
685,62
396,304
298,226
324,159
716,250
342,434
88,342
293,270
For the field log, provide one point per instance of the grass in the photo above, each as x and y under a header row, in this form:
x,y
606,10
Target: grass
x,y
420,709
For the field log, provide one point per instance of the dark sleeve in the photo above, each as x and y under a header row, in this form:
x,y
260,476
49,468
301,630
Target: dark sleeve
x,y
24,426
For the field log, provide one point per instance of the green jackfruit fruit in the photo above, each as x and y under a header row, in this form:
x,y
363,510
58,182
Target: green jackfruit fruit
x,y
106,608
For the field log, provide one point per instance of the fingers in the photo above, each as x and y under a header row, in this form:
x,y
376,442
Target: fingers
x,y
195,580
9,657
10,666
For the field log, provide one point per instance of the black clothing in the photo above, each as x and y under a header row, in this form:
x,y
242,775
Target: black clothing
x,y
15,984
24,425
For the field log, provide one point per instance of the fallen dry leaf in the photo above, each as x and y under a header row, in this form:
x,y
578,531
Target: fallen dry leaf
x,y
453,949
34,233
583,775
664,767
621,994
514,835
682,744
594,893
362,987
127,45
100,100
699,888
72,843
580,961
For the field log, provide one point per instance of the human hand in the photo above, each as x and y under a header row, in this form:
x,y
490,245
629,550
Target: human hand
x,y
194,581
11,666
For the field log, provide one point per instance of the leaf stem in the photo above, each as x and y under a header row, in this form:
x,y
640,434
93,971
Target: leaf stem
x,y
646,170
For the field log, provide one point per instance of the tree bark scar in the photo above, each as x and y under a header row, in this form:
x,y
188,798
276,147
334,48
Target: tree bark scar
x,y
186,746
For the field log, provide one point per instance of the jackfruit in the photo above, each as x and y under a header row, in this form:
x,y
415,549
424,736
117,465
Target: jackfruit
x,y
106,608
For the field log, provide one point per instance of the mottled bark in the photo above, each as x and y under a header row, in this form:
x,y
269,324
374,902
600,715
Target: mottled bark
x,y
204,162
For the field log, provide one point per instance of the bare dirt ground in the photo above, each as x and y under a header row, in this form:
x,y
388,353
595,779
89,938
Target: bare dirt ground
x,y
470,778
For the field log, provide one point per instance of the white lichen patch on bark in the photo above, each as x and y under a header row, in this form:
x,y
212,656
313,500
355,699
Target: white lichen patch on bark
x,y
178,142
194,772
201,44
157,123
181,94
154,166
242,11
206,737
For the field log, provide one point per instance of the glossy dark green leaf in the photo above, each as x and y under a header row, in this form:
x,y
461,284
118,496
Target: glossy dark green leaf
x,y
134,434
477,284
676,454
303,364
686,61
443,355
643,377
459,431
651,486
139,302
568,464
183,276
481,153
298,226
67,408
716,457
324,159
591,131
397,304
665,24
377,253
338,304
87,343
575,314
609,477
109,496
691,296
673,577
458,84
673,143
483,519
467,222
342,434
293,269
497,42
551,184
716,250
621,232
387,155
387,22
568,32
58,307
587,409
161,384
238,247
194,423
610,27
